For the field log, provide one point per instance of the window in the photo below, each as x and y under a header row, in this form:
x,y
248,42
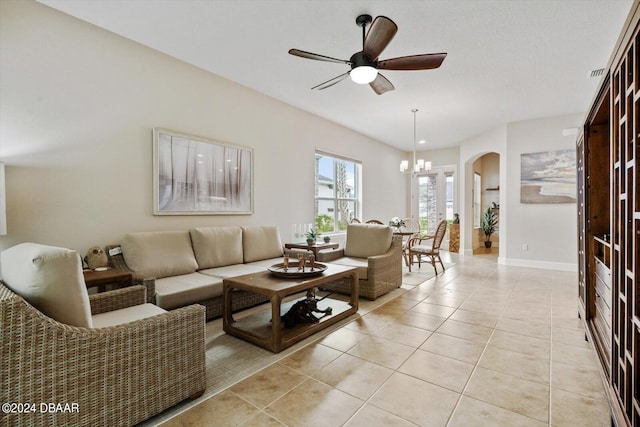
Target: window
x,y
477,199
337,193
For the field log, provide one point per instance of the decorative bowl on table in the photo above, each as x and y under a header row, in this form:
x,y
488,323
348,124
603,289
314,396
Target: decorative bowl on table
x,y
294,272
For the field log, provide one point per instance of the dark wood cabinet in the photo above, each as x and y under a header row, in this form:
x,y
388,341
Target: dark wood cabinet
x,y
608,176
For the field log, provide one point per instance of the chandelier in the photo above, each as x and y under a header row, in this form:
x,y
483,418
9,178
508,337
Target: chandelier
x,y
419,165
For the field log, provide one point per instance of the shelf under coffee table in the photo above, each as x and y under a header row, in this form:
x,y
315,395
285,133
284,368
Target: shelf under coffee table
x,y
266,329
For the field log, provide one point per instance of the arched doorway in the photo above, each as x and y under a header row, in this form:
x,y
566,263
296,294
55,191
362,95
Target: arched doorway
x,y
482,194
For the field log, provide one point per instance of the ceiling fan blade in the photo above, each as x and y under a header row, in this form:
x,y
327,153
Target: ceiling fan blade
x,y
414,62
309,55
381,85
380,34
331,82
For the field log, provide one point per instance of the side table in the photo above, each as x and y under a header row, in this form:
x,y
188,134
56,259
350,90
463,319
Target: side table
x,y
101,279
315,247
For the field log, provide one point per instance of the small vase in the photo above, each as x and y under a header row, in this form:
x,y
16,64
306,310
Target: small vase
x,y
487,244
310,241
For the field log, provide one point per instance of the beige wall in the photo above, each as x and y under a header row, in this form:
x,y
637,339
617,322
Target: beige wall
x,y
78,105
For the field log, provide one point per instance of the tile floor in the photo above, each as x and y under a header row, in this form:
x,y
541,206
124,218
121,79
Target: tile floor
x,y
481,345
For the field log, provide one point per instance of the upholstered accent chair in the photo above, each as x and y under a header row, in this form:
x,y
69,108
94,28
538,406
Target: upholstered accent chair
x,y
427,246
113,358
377,254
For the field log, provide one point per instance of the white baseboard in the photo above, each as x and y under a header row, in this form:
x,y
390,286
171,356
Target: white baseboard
x,y
545,265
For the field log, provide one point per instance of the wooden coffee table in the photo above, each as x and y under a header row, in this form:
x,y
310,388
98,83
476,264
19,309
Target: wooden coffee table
x,y
266,329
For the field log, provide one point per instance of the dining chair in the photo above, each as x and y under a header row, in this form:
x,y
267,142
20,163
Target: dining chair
x,y
427,246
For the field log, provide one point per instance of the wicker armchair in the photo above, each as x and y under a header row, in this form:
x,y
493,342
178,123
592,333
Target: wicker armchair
x,y
431,250
382,273
114,375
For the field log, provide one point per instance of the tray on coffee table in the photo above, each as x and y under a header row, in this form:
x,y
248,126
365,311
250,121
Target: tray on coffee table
x,y
293,271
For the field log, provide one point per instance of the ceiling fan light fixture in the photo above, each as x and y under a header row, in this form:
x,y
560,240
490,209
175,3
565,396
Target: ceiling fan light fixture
x,y
363,74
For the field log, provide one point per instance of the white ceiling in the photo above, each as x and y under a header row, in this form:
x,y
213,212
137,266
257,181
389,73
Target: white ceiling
x,y
508,60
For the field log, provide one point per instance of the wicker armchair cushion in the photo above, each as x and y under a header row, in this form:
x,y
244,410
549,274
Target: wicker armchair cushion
x,y
160,253
217,246
50,279
126,315
261,243
365,240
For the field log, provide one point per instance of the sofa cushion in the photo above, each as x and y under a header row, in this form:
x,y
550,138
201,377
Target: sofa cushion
x,y
217,246
261,243
50,279
232,270
159,254
365,240
185,289
126,315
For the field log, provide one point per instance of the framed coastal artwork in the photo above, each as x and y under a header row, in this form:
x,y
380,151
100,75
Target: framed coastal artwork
x,y
548,177
197,176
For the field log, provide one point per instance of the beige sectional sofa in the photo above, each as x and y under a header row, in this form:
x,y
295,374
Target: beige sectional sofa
x,y
189,266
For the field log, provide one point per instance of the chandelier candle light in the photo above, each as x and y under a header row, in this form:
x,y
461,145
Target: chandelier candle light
x,y
418,165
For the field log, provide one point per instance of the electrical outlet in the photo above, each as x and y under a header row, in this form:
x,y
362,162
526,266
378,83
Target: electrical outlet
x,y
525,247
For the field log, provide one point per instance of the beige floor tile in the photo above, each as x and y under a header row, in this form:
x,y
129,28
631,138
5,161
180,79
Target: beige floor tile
x,y
509,392
475,317
404,334
570,336
580,379
569,410
456,348
370,416
475,413
422,321
453,301
537,347
382,352
313,403
571,354
311,359
525,327
433,309
368,324
439,370
354,376
226,408
415,400
343,339
530,326
268,385
517,364
466,331
262,420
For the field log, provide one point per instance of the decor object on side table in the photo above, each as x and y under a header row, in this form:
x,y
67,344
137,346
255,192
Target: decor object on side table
x,y
96,258
396,223
312,235
489,225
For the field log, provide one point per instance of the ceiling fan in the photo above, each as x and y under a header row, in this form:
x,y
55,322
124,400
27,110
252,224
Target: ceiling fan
x,y
365,64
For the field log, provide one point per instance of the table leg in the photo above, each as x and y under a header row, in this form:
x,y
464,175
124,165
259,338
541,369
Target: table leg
x,y
276,329
228,315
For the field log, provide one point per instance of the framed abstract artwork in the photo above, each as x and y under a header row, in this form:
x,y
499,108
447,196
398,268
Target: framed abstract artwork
x,y
548,177
197,176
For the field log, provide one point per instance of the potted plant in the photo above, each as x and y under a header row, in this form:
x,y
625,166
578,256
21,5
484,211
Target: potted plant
x,y
489,225
312,235
326,239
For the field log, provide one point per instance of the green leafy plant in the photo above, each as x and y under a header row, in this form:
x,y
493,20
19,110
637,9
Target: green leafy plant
x,y
312,235
489,223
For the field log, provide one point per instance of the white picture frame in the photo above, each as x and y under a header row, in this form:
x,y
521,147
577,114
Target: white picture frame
x,y
193,175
